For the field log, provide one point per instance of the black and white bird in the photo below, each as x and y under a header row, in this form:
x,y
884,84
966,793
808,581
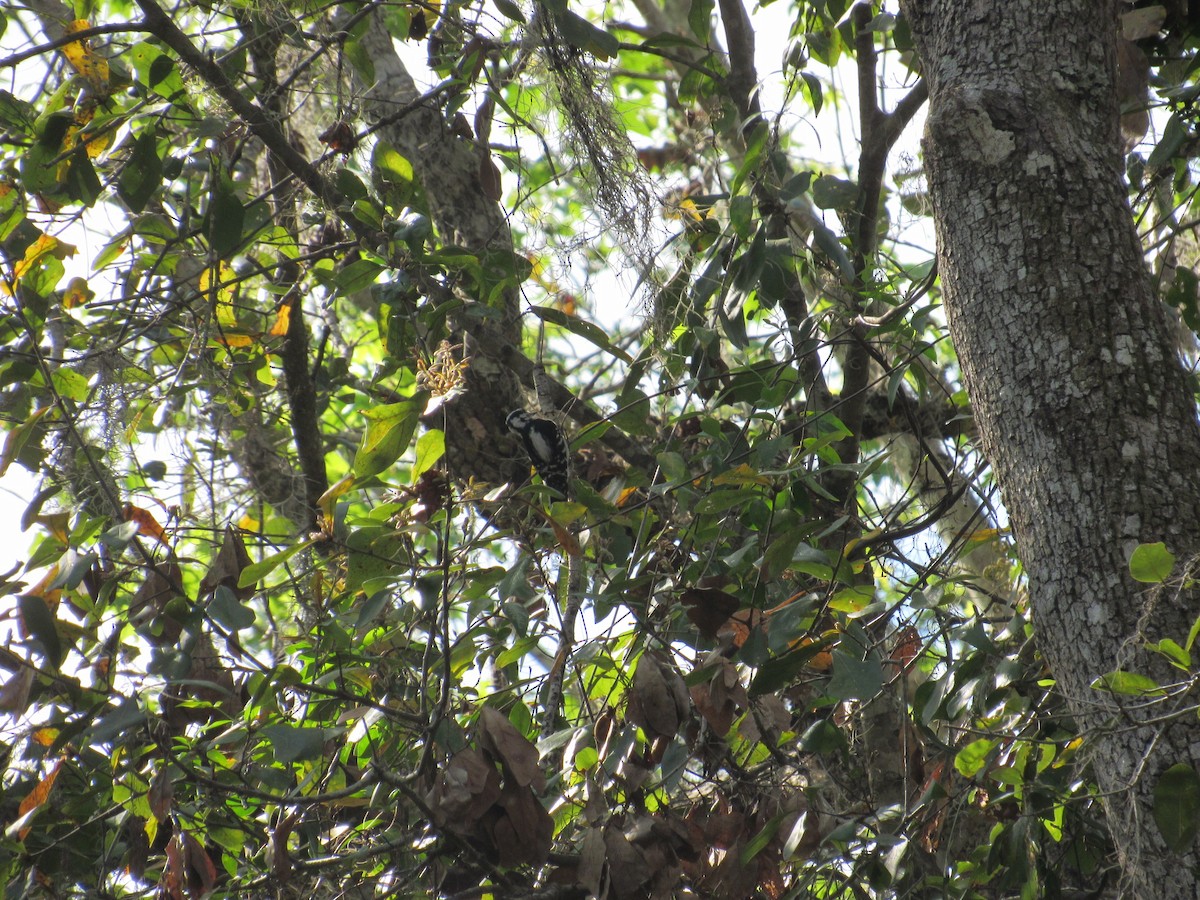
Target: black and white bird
x,y
547,448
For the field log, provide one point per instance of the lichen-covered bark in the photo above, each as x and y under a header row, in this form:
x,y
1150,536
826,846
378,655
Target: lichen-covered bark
x,y
447,166
1081,404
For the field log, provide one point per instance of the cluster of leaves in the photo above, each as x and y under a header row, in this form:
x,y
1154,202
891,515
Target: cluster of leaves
x,y
798,673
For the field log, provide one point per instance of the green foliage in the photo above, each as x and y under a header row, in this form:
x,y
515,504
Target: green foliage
x,y
1151,563
292,623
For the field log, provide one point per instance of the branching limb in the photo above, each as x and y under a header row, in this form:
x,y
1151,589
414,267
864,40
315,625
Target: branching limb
x,y
566,640
158,23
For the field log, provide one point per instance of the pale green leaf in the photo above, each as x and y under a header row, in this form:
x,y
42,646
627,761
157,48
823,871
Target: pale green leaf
x,y
1177,806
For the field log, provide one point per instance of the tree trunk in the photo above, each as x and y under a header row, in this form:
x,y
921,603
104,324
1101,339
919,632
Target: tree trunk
x,y
1082,406
478,443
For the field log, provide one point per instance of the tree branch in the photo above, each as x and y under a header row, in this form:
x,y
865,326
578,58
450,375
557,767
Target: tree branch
x,y
160,25
743,77
62,41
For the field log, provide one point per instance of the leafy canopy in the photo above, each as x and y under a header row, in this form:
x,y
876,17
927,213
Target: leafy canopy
x,y
295,622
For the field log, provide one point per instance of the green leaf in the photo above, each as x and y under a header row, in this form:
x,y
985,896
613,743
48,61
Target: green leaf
x,y
581,33
142,173
227,610
1151,563
431,446
70,384
775,673
718,501
156,70
389,431
1132,683
1175,654
700,18
1174,136
291,743
256,572
349,185
971,758
394,172
756,145
827,242
39,622
511,10
759,842
815,90
16,114
83,184
357,276
126,718
1191,638
854,678
673,467
517,651
782,550
224,217
823,736
589,331
829,192
1177,806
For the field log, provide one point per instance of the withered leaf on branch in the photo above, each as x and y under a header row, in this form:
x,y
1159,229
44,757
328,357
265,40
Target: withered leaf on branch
x,y
591,861
720,698
468,786
708,608
658,700
188,863
209,681
522,829
627,867
227,568
156,593
519,757
162,792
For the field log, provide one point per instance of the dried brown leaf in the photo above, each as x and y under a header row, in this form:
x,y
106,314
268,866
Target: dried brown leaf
x,y
14,695
227,568
37,797
591,861
627,867
468,786
523,831
162,792
519,757
708,608
658,699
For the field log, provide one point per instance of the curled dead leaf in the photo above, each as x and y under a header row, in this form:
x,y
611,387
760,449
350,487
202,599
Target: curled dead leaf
x,y
499,737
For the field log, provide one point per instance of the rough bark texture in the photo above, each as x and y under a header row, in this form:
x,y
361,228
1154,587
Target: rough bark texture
x,y
1081,404
477,442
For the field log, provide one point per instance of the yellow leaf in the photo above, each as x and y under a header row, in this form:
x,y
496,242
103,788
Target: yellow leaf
x,y
743,474
325,501
982,535
283,319
217,282
684,209
232,339
97,142
42,589
77,293
44,737
37,797
58,524
43,246
92,67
